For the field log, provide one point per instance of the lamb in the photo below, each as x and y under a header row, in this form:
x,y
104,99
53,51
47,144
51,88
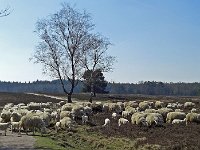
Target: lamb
x,y
4,126
114,115
192,117
179,121
84,119
175,115
107,122
122,121
57,126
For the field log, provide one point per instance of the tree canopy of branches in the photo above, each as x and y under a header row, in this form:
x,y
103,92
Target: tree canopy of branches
x,y
67,45
95,58
99,82
5,12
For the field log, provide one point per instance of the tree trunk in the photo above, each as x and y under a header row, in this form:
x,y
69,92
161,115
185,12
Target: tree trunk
x,y
69,98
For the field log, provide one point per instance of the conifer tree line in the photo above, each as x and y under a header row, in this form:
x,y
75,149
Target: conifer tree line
x,y
146,88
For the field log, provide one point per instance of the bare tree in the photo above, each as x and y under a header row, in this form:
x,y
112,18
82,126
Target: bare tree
x,y
95,57
63,36
5,12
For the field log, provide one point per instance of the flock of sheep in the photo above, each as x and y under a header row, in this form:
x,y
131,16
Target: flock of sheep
x,y
64,115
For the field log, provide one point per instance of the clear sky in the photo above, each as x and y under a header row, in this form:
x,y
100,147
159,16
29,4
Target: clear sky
x,y
152,39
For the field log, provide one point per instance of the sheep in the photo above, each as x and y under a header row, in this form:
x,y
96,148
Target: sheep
x,y
121,105
65,114
164,112
34,106
113,107
107,122
97,107
15,117
159,104
189,104
139,119
114,115
154,118
130,110
178,110
5,115
55,116
77,111
125,114
57,126
66,122
150,111
84,119
179,121
32,122
67,107
193,110
122,121
175,115
15,126
143,105
87,110
105,107
4,126
133,104
192,117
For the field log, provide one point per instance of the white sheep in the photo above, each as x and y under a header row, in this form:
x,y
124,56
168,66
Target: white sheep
x,y
84,119
139,119
125,114
192,117
154,118
66,122
179,121
193,110
175,115
32,122
4,126
122,121
114,115
57,126
107,122
14,126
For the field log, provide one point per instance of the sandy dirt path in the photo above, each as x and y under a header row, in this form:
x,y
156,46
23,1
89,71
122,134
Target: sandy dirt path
x,y
16,142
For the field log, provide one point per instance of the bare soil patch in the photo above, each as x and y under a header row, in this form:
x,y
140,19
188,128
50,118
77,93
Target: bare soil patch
x,y
12,141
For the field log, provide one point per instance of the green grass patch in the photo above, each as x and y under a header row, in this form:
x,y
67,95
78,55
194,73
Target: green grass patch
x,y
43,142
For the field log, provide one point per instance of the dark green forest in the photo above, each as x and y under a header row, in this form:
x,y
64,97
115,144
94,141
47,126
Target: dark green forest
x,y
146,88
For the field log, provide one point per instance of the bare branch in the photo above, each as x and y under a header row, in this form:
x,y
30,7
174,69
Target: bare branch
x,y
5,12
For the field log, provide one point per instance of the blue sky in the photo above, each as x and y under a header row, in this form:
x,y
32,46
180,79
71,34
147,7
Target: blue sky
x,y
152,39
